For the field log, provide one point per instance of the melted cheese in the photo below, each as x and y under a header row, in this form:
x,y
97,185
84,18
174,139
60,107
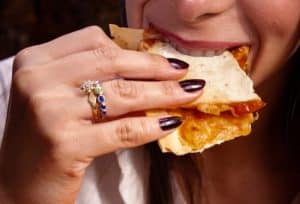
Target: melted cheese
x,y
200,131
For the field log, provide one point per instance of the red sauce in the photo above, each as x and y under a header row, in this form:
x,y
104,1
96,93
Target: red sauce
x,y
247,107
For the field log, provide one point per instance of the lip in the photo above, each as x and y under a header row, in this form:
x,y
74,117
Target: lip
x,y
195,44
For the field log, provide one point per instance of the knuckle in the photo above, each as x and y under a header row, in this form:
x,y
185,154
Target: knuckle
x,y
169,88
97,35
24,53
106,52
99,39
94,30
157,62
128,135
124,89
156,59
23,56
23,79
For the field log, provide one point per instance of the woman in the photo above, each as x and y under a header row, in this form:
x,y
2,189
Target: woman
x,y
50,139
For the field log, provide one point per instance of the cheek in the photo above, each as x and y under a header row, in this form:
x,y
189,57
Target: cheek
x,y
277,29
279,18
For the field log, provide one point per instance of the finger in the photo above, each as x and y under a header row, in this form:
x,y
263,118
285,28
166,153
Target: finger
x,y
88,38
125,133
108,63
124,96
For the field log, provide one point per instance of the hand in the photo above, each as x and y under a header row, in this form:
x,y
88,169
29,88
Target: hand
x,y
50,138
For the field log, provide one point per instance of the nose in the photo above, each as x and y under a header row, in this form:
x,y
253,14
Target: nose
x,y
192,10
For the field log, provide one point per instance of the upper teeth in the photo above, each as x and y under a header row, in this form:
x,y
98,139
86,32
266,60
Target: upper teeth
x,y
197,52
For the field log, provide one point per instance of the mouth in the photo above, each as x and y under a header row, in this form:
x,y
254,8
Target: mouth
x,y
201,51
199,47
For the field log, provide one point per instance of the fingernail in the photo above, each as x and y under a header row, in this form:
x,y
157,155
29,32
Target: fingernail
x,y
170,122
178,64
192,85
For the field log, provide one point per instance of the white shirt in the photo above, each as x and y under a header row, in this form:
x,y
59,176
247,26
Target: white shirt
x,y
5,81
116,178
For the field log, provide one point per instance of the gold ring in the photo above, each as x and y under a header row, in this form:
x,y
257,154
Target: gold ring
x,y
96,98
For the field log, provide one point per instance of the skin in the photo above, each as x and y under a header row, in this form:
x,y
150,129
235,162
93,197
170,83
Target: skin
x,y
58,140
246,170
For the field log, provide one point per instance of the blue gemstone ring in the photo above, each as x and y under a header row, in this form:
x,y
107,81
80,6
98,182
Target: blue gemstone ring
x,y
101,105
96,98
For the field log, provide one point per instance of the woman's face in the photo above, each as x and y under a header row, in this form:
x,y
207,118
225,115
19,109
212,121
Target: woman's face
x,y
201,27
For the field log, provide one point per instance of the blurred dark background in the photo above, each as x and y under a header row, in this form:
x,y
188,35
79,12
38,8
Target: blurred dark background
x,y
28,22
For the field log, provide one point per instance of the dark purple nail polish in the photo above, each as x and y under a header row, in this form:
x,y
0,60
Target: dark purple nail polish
x,y
169,123
178,64
192,85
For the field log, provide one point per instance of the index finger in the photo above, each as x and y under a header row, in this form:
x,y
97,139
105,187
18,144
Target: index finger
x,y
107,63
88,38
